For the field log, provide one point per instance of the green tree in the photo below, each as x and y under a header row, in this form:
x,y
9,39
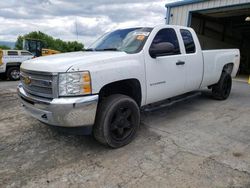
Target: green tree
x,y
4,47
50,42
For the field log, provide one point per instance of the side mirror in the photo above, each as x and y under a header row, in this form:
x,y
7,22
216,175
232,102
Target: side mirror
x,y
161,49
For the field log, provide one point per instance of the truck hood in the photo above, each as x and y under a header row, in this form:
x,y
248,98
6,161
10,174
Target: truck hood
x,y
63,62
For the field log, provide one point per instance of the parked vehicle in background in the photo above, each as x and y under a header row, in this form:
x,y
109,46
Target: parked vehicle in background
x,y
123,71
10,62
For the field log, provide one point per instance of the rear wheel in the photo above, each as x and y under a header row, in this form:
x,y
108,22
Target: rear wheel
x,y
13,73
117,121
222,89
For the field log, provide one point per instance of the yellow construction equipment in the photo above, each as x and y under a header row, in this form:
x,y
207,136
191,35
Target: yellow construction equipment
x,y
36,47
249,80
46,51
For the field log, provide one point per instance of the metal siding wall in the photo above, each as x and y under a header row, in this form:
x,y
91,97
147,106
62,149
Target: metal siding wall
x,y
180,13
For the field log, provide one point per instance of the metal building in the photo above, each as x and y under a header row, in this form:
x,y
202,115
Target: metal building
x,y
218,23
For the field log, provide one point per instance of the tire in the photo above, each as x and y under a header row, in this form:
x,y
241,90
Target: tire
x,y
117,121
222,89
13,73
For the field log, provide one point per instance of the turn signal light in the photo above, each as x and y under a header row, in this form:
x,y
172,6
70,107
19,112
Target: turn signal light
x,y
87,88
86,77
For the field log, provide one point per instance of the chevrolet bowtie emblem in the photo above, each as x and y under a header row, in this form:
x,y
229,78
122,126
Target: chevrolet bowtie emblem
x,y
27,80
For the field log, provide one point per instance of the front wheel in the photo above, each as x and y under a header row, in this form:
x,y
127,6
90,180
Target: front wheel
x,y
117,121
222,89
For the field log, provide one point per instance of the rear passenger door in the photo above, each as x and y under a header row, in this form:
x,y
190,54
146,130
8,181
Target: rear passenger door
x,y
25,55
193,59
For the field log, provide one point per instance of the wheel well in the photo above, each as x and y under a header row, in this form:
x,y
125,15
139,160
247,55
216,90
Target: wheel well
x,y
228,68
17,64
129,87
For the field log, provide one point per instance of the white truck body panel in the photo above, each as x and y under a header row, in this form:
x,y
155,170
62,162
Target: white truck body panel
x,y
13,59
194,65
214,61
164,78
159,77
105,67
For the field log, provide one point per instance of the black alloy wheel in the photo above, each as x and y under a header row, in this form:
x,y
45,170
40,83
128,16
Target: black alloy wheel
x,y
117,121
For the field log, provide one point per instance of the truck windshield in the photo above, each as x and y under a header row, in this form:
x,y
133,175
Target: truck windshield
x,y
128,40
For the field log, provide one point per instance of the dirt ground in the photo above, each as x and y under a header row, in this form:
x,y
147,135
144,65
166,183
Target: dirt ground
x,y
195,143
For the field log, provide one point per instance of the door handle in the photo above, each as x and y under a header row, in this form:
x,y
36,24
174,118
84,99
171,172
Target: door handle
x,y
180,63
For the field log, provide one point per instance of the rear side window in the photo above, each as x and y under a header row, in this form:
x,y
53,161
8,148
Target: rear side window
x,y
188,41
167,35
12,53
26,53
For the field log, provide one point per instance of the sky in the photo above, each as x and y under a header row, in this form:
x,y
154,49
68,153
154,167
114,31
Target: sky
x,y
81,20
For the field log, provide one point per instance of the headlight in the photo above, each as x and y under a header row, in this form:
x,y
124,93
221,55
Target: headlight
x,y
74,83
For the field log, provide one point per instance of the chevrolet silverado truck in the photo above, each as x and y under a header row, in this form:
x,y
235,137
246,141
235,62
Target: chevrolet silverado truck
x,y
106,85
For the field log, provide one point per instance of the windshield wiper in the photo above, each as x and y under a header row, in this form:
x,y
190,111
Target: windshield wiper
x,y
89,49
108,49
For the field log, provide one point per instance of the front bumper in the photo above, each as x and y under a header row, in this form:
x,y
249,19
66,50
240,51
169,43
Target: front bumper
x,y
65,112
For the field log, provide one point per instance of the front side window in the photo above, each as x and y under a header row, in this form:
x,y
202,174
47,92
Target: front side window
x,y
188,41
167,36
128,40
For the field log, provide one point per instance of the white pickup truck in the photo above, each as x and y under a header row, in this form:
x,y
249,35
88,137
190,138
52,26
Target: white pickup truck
x,y
105,86
10,62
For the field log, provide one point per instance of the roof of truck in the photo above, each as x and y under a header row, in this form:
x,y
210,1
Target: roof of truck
x,y
15,50
16,53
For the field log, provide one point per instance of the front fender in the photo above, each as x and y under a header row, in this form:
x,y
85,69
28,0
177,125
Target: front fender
x,y
109,72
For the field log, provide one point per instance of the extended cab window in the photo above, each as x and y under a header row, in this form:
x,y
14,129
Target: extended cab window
x,y
26,53
188,41
12,53
167,36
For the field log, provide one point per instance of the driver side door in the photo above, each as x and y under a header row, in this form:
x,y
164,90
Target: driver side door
x,y
166,73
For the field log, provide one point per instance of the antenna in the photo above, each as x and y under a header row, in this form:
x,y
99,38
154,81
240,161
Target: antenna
x,y
76,29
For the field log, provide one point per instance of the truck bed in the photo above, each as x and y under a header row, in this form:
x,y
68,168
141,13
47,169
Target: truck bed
x,y
214,61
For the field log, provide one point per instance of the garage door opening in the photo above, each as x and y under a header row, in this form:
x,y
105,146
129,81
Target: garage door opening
x,y
227,27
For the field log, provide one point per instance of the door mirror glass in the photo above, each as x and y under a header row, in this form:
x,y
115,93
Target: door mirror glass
x,y
161,49
165,43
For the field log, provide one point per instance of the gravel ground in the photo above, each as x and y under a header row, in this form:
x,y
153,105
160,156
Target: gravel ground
x,y
196,143
8,85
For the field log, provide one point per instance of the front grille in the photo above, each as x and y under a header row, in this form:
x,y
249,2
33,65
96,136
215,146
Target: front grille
x,y
39,84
